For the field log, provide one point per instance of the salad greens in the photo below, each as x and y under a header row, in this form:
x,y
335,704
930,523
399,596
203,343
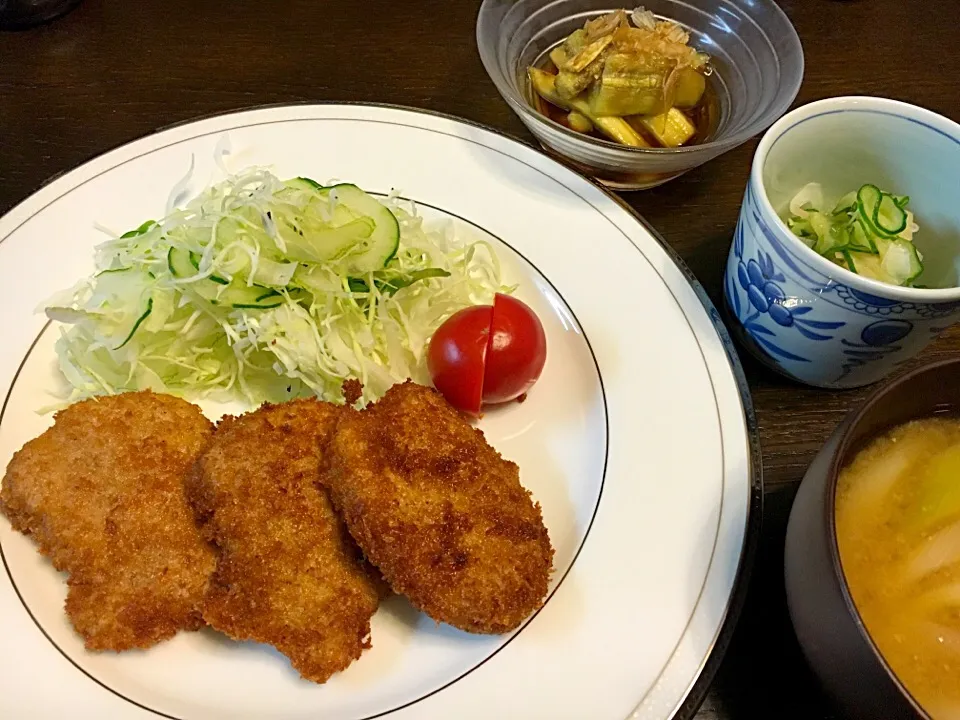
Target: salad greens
x,y
265,290
868,231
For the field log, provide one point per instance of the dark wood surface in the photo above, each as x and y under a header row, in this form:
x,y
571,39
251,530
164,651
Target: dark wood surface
x,y
112,71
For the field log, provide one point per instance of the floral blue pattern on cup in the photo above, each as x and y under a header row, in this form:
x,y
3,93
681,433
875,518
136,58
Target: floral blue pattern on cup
x,y
809,326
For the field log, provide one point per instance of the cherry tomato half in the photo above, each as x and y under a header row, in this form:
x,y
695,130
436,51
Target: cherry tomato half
x,y
457,356
516,353
487,354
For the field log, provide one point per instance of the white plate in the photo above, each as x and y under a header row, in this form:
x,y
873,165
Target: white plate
x,y
635,441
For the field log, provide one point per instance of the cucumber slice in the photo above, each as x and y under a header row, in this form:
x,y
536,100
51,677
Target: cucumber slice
x,y
271,273
868,198
859,240
249,296
828,240
195,261
357,231
891,217
256,297
392,286
843,258
882,244
139,231
123,292
898,263
846,203
880,212
137,323
314,242
901,262
868,265
304,183
180,264
183,264
262,299
378,249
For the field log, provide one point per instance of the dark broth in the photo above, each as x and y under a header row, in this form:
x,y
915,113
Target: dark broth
x,y
705,115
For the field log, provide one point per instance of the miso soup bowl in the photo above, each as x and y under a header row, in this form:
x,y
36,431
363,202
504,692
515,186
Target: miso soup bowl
x,y
755,53
831,632
801,314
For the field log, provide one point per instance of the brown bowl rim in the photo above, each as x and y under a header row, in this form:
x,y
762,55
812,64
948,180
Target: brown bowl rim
x,y
833,475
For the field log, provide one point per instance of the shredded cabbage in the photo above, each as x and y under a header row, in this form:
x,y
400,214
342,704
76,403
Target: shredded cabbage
x,y
135,324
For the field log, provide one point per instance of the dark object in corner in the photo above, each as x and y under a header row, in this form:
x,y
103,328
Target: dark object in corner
x,y
25,14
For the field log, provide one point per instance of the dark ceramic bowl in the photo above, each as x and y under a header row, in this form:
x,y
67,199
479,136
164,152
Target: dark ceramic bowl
x,y
830,630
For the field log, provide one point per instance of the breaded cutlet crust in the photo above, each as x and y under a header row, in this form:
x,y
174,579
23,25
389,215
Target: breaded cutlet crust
x,y
288,573
101,493
439,512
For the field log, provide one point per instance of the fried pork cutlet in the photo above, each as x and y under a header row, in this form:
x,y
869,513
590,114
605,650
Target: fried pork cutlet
x,y
101,493
288,573
439,512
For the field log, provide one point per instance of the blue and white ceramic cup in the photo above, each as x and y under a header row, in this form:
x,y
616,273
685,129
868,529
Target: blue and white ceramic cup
x,y
807,317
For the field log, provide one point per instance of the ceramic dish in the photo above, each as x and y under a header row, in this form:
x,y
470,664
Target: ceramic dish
x,y
756,56
828,624
803,315
650,538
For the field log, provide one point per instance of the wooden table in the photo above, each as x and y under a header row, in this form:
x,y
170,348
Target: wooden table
x,y
110,72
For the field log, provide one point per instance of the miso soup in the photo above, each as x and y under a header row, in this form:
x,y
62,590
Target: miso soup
x,y
898,531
